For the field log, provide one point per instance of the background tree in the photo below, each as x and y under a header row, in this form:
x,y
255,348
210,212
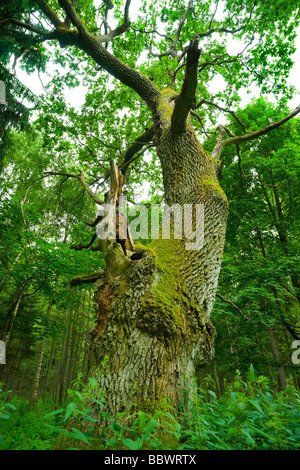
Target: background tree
x,y
258,291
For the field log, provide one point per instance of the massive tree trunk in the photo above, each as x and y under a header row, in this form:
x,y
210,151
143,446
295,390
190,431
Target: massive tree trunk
x,y
153,325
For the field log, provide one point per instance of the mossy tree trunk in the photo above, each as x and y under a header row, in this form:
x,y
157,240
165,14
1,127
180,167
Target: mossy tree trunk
x,y
153,325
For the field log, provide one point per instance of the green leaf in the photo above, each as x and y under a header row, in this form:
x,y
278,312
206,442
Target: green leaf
x,y
76,434
149,428
70,409
133,445
9,405
112,441
256,406
53,413
251,374
116,428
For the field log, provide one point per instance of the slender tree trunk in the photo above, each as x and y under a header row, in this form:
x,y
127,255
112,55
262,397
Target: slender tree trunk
x,y
78,340
64,359
11,315
86,340
49,368
55,383
74,342
215,376
37,374
277,359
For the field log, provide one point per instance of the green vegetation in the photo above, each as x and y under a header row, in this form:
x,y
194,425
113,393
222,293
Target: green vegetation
x,y
249,416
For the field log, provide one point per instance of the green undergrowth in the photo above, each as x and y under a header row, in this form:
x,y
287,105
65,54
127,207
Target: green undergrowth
x,y
249,416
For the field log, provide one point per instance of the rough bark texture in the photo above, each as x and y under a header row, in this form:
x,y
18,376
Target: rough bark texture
x,y
152,321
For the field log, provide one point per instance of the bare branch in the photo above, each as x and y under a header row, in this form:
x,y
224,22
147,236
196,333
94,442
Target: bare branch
x,y
210,103
254,135
199,118
251,135
81,179
69,8
86,245
181,23
25,198
228,301
225,30
172,51
135,147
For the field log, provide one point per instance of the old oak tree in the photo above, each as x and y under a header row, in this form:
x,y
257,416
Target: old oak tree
x,y
153,302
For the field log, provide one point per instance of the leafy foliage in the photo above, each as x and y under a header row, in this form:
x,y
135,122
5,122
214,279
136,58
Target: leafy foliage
x,y
250,416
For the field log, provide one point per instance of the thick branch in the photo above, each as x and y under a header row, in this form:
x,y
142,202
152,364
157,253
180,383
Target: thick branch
x,y
135,147
86,278
90,44
51,15
68,6
27,26
141,84
184,102
126,11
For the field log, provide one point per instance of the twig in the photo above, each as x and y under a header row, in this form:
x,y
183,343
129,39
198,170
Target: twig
x,y
228,301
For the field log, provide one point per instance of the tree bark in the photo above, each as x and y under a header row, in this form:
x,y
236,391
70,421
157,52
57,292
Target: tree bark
x,y
153,328
277,358
37,373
